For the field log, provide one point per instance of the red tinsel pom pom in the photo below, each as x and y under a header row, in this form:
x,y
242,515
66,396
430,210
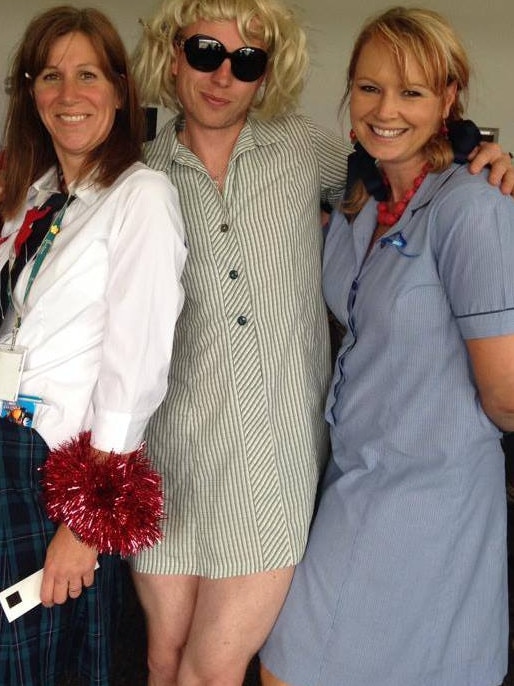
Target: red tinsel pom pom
x,y
115,505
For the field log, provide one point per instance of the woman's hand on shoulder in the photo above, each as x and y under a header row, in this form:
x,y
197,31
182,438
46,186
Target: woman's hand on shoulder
x,y
502,171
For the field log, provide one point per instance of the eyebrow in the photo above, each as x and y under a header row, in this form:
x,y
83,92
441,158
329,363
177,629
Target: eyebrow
x,y
407,84
416,85
78,66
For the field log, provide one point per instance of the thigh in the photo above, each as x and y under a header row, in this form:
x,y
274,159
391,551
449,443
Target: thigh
x,y
232,618
168,602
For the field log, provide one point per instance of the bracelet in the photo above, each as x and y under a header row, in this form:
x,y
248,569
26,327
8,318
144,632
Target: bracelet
x,y
114,505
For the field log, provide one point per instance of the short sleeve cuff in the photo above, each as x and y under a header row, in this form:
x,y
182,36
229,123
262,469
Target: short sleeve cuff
x,y
487,325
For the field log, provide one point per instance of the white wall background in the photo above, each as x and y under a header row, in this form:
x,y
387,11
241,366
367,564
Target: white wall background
x,y
486,27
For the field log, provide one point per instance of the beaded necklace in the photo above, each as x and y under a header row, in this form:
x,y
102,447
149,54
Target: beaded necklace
x,y
389,216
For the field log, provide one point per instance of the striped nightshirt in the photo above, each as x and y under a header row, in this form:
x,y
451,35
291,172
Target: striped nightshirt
x,y
240,438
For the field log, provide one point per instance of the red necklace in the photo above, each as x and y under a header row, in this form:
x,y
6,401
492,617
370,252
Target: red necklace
x,y
389,217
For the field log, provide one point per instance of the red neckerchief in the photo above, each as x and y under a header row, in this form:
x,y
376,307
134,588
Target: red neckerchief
x,y
25,229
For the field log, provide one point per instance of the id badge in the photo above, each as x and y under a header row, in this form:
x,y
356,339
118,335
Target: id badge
x,y
12,360
21,411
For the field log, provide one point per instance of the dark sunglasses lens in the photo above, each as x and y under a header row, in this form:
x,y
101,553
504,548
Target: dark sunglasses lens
x,y
204,54
249,64
207,54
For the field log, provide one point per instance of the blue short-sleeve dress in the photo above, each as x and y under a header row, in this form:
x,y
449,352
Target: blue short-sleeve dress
x,y
404,578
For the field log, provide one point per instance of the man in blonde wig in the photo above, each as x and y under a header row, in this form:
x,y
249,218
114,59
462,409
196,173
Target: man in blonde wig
x,y
240,438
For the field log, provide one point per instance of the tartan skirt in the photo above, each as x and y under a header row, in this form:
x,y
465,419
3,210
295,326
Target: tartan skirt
x,y
42,646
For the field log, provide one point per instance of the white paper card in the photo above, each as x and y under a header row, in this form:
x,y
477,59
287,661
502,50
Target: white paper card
x,y
11,369
23,595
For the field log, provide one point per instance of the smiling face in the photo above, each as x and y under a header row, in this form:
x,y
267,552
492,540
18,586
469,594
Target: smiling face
x,y
217,99
393,117
75,100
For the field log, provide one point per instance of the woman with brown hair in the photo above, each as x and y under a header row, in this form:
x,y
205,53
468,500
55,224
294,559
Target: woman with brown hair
x,y
91,256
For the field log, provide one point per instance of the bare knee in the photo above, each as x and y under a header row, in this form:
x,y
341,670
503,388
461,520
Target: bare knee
x,y
164,653
226,666
168,605
232,619
163,659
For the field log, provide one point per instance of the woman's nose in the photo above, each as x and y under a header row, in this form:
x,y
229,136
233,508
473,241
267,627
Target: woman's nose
x,y
387,105
69,89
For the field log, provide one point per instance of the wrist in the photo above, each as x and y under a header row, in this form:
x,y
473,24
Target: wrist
x,y
112,505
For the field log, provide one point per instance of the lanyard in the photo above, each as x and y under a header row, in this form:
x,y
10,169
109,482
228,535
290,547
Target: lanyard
x,y
40,256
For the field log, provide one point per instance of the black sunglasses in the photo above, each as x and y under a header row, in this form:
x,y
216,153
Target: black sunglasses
x,y
207,54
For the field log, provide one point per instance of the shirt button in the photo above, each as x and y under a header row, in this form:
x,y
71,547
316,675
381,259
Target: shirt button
x,y
224,228
233,273
241,320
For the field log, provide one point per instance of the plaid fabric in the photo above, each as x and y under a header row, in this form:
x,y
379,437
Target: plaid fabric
x,y
41,646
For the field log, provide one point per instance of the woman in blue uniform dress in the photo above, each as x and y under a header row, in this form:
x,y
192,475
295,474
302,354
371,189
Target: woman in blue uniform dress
x,y
404,579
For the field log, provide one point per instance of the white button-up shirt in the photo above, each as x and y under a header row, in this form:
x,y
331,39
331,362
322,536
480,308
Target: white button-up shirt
x,y
99,320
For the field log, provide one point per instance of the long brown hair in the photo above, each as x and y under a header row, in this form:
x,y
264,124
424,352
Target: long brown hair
x,y
28,145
